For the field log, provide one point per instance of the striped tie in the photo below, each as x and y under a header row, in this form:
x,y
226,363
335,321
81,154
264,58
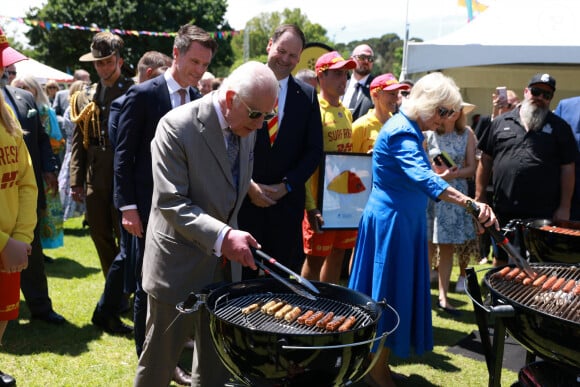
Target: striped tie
x,y
273,125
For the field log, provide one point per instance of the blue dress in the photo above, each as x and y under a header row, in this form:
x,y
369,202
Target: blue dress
x,y
391,260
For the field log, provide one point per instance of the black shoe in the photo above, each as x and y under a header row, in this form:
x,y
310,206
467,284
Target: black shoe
x,y
85,223
181,376
48,259
6,380
51,317
451,311
111,324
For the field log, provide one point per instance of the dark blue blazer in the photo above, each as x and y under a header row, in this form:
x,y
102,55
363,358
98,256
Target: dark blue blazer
x,y
35,137
295,155
364,102
140,111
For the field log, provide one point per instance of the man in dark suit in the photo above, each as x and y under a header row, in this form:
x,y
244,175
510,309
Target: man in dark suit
x,y
144,106
202,158
274,207
357,96
33,281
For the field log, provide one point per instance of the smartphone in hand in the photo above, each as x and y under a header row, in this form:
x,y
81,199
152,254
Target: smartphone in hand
x,y
501,92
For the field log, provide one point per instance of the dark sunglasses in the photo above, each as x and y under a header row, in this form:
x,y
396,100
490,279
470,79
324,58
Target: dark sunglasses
x,y
536,92
368,58
254,114
444,112
405,93
11,72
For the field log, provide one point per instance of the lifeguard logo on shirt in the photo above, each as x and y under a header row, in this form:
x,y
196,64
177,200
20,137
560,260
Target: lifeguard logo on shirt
x,y
346,182
8,179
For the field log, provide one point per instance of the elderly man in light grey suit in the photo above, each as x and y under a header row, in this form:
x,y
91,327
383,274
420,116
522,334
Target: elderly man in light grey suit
x,y
197,193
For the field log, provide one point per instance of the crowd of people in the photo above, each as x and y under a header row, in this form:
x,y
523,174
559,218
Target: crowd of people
x,y
180,175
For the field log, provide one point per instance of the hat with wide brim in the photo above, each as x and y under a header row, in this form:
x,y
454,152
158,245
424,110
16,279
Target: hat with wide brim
x,y
104,46
333,61
467,107
8,55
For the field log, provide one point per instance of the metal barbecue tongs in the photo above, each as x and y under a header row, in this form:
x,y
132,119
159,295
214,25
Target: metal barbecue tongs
x,y
503,242
301,280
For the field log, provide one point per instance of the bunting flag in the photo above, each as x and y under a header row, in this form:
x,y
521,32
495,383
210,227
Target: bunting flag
x,y
472,6
50,25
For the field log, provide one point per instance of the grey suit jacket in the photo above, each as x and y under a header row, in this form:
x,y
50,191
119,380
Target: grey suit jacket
x,y
194,197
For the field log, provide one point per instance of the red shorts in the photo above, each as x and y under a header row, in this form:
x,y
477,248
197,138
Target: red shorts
x,y
320,245
9,296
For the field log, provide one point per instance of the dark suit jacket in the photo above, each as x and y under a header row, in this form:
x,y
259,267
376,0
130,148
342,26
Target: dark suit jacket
x,y
295,155
36,138
364,102
142,108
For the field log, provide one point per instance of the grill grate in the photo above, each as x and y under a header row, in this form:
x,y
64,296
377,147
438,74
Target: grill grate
x,y
558,304
230,311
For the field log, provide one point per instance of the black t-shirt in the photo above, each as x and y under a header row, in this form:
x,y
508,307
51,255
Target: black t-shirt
x,y
526,165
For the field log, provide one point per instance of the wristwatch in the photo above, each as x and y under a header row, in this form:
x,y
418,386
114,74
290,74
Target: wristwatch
x,y
287,185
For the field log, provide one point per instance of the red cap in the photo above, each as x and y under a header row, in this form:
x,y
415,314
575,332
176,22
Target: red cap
x,y
9,55
333,61
388,82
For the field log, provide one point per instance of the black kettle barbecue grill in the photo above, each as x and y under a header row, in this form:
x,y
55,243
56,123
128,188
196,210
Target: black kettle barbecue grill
x,y
544,319
260,350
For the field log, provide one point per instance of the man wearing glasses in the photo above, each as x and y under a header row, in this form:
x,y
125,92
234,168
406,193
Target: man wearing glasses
x,y
532,153
357,96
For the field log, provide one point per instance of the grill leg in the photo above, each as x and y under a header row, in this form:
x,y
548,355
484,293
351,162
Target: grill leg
x,y
498,347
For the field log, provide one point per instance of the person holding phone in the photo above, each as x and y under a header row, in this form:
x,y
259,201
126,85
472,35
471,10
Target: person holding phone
x,y
452,150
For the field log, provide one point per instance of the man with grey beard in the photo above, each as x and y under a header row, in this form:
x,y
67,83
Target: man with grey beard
x,y
532,153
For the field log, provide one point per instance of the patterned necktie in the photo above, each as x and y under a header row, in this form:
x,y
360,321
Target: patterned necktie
x,y
273,125
182,96
233,154
355,95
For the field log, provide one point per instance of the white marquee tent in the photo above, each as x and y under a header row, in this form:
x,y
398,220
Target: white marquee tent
x,y
41,72
505,46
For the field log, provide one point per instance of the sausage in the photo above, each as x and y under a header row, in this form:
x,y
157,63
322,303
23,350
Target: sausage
x,y
302,319
540,280
569,286
520,277
325,320
558,284
576,290
282,312
503,272
334,324
512,274
549,282
273,309
293,314
268,305
251,308
310,321
349,323
527,281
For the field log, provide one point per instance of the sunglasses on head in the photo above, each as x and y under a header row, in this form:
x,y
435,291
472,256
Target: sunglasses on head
x,y
368,58
536,92
254,114
444,112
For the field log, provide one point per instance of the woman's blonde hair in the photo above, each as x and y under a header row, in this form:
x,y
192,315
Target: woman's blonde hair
x,y
40,96
430,92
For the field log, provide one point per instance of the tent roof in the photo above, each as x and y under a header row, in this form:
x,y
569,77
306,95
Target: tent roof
x,y
41,72
509,31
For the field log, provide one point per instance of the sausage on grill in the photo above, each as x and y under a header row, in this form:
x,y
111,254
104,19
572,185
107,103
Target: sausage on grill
x,y
310,321
293,314
349,323
540,280
282,312
558,284
549,282
302,319
277,306
503,272
325,320
569,286
268,305
334,324
512,274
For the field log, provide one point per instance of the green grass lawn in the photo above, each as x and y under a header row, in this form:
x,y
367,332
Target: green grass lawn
x,y
78,354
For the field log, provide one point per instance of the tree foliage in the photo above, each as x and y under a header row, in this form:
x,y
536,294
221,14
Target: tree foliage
x,y
61,47
261,27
